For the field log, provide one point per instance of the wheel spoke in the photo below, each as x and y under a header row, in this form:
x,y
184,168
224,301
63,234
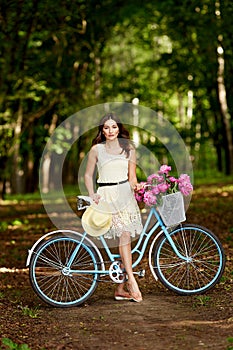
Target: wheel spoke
x,y
204,267
55,281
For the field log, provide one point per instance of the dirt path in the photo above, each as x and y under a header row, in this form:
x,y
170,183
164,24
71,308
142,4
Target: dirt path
x,y
161,321
158,323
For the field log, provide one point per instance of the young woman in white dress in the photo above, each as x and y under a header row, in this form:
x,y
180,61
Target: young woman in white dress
x,y
114,155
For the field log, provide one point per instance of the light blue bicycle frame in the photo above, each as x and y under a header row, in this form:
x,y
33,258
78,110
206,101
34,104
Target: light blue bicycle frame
x,y
142,242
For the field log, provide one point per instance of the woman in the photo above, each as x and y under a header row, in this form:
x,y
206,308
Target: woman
x,y
113,154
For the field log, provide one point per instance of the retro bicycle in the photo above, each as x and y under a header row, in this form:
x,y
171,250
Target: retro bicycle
x,y
66,266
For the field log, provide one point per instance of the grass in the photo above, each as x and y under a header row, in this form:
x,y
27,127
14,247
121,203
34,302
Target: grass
x,y
69,190
11,345
200,178
31,312
230,340
202,300
16,198
207,177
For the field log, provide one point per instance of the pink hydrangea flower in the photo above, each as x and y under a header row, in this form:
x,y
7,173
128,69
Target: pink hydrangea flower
x,y
142,190
164,169
149,198
172,179
138,197
163,187
184,184
155,178
155,190
161,184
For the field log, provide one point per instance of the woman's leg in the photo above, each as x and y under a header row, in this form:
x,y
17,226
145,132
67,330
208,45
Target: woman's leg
x,y
126,256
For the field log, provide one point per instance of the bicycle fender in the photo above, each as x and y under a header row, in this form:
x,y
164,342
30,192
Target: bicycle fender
x,y
87,240
150,257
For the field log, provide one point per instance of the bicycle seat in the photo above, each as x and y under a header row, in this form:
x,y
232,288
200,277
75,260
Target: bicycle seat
x,y
83,202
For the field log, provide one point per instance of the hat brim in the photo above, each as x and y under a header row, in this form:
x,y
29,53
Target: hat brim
x,y
90,219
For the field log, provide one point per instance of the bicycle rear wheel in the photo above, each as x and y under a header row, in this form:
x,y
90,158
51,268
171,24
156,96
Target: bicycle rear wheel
x,y
203,269
57,283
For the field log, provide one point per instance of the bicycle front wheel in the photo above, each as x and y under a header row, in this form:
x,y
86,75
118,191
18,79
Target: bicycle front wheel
x,y
55,280
202,270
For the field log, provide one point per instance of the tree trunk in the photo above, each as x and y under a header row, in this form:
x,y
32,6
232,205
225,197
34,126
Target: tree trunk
x,y
17,172
225,114
46,162
29,165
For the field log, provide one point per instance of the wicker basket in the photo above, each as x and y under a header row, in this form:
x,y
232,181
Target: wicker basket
x,y
172,209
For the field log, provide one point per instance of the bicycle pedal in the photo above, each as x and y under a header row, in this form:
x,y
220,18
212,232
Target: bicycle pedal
x,y
140,273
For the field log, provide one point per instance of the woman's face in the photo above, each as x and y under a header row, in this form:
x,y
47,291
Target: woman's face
x,y
110,130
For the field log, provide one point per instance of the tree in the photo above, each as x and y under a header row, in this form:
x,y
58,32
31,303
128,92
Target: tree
x,y
175,56
50,57
197,63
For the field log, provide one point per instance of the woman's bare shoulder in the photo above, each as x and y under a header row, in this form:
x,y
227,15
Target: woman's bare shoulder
x,y
132,149
96,150
131,145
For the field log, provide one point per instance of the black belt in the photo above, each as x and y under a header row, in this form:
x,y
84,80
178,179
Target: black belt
x,y
111,183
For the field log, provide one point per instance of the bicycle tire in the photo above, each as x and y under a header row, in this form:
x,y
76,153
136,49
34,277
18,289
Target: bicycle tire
x,y
56,284
206,265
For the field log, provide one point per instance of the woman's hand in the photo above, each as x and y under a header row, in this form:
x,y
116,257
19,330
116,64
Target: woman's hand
x,y
95,197
138,186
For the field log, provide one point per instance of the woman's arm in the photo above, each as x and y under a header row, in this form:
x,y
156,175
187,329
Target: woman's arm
x,y
88,176
132,171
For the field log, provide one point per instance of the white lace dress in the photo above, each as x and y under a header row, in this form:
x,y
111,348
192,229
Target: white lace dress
x,y
126,215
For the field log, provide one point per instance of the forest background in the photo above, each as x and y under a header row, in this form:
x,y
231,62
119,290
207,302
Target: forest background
x,y
61,57
172,56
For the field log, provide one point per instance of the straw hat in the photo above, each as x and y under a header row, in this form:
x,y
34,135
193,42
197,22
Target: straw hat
x,y
97,219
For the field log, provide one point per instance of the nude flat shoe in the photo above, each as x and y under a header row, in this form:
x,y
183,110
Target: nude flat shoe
x,y
125,296
134,297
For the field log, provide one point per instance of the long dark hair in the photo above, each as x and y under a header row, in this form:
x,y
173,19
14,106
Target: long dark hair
x,y
123,136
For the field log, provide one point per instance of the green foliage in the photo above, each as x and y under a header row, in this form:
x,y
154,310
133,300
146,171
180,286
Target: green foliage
x,y
3,225
80,53
202,300
204,176
31,312
230,340
62,141
11,345
17,222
